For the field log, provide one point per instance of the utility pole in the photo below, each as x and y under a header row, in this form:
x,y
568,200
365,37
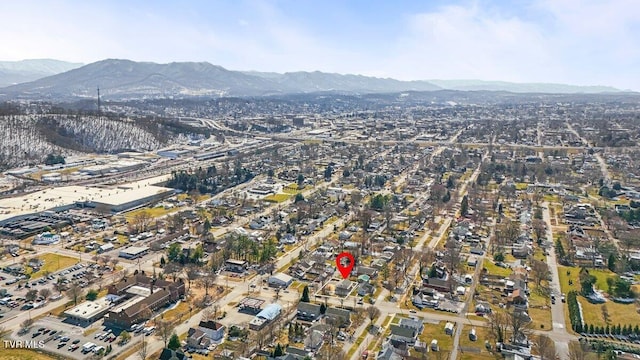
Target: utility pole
x,y
98,100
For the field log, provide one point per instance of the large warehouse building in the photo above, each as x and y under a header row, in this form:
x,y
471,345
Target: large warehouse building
x,y
115,199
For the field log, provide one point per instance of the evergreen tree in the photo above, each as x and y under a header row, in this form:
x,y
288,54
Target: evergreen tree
x,y
611,262
278,351
323,308
174,342
464,206
305,294
446,197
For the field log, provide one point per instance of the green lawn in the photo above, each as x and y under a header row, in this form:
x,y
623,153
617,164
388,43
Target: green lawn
x,y
23,354
277,198
541,318
294,189
493,269
53,263
592,313
482,334
152,212
574,275
436,331
618,313
356,344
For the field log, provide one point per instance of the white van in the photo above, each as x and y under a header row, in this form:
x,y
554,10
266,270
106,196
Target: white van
x,y
434,345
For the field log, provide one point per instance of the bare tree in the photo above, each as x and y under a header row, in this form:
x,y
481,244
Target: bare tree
x,y
165,330
539,229
520,325
143,349
45,293
75,292
192,273
207,281
373,312
173,270
356,198
546,347
577,351
141,221
539,271
452,260
499,324
209,315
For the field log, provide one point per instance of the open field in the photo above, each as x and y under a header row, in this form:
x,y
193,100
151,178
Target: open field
x,y
152,212
592,313
278,198
623,314
23,354
53,263
567,273
177,313
294,189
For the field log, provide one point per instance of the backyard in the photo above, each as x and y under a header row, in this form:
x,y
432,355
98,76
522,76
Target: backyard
x,y
471,350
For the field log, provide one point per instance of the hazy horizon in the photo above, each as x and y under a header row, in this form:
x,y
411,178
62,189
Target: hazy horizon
x,y
576,42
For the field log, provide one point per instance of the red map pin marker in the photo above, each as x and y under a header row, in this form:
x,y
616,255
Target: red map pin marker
x,y
345,266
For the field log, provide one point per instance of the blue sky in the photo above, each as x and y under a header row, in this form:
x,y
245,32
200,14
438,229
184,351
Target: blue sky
x,y
585,42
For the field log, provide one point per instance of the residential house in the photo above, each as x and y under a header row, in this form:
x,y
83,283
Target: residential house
x,y
314,340
414,324
341,315
308,311
402,335
168,354
197,339
213,329
365,288
344,287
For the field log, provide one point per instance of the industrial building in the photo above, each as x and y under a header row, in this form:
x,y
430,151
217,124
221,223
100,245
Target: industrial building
x,y
115,199
280,280
112,167
89,311
134,252
267,315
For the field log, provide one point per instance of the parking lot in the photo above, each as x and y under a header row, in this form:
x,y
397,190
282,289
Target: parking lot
x,y
13,295
68,340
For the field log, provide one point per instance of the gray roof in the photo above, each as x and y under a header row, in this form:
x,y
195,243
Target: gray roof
x,y
308,308
411,323
402,331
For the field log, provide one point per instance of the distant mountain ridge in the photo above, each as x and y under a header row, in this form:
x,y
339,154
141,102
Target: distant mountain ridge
x,y
479,85
16,72
125,79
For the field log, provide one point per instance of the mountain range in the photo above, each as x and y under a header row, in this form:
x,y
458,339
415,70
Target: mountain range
x,y
126,79
16,72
